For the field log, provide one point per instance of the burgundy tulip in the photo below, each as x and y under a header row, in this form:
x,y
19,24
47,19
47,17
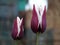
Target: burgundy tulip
x,y
17,30
35,25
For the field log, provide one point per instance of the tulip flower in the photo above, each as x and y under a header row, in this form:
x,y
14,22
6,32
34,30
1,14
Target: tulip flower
x,y
38,21
17,30
36,26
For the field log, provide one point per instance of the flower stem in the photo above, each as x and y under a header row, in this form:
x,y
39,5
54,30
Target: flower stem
x,y
37,36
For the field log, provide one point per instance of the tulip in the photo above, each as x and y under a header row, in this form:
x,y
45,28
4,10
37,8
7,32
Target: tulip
x,y
38,21
17,30
35,25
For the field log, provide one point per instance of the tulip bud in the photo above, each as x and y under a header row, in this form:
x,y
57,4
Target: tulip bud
x,y
38,22
17,30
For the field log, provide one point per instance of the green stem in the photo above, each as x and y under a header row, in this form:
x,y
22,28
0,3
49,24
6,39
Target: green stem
x,y
37,36
18,42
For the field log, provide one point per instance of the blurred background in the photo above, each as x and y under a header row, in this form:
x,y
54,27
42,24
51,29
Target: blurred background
x,y
8,11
